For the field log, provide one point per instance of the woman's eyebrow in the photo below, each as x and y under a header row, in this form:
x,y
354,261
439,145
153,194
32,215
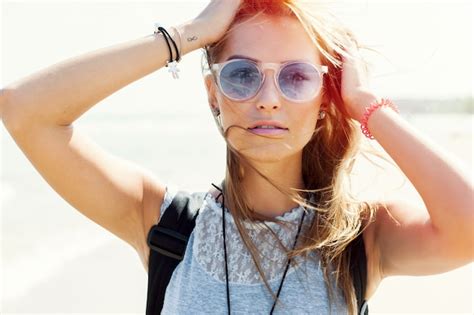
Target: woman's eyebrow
x,y
250,58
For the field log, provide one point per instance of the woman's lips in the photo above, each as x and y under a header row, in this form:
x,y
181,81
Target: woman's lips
x,y
268,131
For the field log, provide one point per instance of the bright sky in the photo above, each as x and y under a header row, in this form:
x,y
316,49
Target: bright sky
x,y
426,45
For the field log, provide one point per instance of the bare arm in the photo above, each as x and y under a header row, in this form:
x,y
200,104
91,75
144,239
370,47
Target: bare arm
x,y
39,110
61,93
408,239
423,240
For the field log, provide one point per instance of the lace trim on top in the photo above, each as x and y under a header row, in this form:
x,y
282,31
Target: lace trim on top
x,y
209,252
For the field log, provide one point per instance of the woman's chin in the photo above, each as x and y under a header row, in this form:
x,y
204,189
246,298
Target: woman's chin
x,y
268,154
261,149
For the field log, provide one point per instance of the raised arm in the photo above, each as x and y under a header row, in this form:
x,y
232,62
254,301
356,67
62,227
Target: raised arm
x,y
408,239
39,110
61,93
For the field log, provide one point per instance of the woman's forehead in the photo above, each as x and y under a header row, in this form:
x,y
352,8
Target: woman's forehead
x,y
271,40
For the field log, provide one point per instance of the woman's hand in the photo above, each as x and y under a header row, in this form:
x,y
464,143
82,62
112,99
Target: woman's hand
x,y
214,20
355,91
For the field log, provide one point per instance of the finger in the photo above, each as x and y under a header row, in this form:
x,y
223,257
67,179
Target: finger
x,y
355,71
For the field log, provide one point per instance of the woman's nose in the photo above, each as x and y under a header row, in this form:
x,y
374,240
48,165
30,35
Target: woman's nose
x,y
269,96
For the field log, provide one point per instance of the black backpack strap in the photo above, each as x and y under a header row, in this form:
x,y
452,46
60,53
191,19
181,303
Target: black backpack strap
x,y
167,241
358,267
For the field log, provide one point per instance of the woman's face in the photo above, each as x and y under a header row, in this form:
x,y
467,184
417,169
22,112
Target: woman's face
x,y
276,40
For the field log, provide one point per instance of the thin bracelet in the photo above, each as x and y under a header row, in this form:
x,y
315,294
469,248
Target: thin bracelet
x,y
172,41
178,58
157,31
370,109
172,65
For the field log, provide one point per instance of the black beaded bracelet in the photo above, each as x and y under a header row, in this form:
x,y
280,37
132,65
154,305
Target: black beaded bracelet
x,y
172,64
178,57
168,38
168,44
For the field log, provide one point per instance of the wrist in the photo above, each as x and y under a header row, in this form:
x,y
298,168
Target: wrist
x,y
357,104
190,37
373,109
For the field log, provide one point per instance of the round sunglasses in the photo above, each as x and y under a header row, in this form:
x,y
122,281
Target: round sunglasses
x,y
241,79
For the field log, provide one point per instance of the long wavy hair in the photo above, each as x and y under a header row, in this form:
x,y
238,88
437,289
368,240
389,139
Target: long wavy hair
x,y
327,159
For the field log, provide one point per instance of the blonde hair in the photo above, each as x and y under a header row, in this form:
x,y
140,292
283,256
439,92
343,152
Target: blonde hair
x,y
328,157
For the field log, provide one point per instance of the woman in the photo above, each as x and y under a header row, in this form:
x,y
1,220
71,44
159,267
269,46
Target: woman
x,y
272,176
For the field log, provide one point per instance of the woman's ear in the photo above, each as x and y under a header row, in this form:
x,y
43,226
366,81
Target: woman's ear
x,y
209,82
211,93
212,99
324,102
214,109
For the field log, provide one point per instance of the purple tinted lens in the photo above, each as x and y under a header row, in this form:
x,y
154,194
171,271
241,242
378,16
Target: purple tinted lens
x,y
240,79
299,81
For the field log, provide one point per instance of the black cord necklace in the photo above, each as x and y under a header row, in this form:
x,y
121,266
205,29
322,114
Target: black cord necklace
x,y
225,254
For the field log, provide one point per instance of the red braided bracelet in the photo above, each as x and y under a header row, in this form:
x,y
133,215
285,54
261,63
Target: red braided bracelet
x,y
370,109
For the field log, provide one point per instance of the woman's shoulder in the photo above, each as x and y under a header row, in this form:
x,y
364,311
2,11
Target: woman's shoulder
x,y
197,197
155,208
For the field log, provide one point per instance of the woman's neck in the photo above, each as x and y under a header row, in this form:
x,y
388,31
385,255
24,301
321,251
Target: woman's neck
x,y
267,200
263,197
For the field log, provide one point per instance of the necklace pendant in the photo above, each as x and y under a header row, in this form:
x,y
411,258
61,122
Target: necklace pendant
x,y
173,68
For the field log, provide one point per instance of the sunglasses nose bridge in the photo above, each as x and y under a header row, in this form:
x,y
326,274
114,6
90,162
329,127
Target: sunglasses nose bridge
x,y
269,95
275,67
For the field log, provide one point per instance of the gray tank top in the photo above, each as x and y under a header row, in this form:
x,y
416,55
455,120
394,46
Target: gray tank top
x,y
197,285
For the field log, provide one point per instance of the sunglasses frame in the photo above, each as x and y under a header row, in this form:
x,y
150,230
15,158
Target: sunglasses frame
x,y
262,66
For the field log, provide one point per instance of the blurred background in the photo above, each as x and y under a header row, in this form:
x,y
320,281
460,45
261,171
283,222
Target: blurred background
x,y
55,260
